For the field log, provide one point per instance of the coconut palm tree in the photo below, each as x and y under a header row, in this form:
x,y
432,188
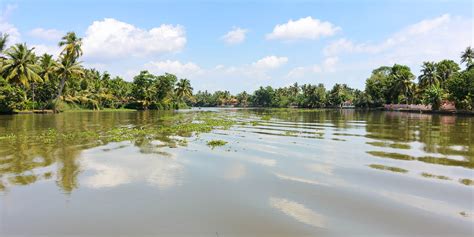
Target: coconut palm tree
x,y
445,69
66,69
183,89
72,46
20,66
467,57
3,44
402,78
429,75
48,66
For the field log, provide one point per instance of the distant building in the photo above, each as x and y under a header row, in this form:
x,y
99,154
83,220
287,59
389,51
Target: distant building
x,y
347,104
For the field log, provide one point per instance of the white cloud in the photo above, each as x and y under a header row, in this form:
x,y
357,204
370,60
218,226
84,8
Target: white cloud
x,y
330,63
235,36
304,28
49,49
430,39
246,76
11,30
174,67
270,62
6,27
47,34
327,65
296,72
6,12
111,38
340,45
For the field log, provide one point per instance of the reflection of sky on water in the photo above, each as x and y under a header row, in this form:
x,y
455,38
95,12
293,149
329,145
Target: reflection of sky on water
x,y
320,168
298,211
247,178
297,179
130,166
235,172
429,205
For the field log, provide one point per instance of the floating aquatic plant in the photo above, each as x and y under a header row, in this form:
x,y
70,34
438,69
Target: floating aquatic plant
x,y
216,143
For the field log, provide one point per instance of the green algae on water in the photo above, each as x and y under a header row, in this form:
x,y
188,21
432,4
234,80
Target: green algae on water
x,y
468,182
216,143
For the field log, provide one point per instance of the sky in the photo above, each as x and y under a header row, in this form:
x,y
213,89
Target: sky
x,y
241,45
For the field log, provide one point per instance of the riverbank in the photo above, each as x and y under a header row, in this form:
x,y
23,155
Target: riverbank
x,y
446,112
442,112
50,111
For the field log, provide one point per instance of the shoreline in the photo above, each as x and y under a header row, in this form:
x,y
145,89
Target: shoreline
x,y
441,112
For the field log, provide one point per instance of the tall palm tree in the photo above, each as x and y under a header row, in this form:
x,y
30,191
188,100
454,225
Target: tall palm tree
x,y
66,69
183,89
72,46
467,57
48,66
429,75
20,66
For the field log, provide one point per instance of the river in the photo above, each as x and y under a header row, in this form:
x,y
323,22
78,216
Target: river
x,y
282,172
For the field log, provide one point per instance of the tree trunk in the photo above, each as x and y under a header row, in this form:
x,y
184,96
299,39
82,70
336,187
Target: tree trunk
x,y
33,96
61,87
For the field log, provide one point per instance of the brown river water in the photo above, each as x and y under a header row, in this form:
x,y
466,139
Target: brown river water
x,y
281,173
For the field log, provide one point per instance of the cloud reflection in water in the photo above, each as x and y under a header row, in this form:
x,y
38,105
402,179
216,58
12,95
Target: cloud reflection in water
x,y
299,212
120,168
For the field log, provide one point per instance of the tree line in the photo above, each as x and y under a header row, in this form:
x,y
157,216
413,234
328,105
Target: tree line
x,y
438,81
29,82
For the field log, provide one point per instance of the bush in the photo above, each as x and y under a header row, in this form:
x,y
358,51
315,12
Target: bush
x,y
461,89
11,98
58,105
433,96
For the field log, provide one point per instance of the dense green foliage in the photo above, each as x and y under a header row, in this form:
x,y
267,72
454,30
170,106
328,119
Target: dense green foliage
x,y
438,81
30,82
305,96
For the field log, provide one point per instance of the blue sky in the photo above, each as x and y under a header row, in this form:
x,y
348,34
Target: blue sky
x,y
240,45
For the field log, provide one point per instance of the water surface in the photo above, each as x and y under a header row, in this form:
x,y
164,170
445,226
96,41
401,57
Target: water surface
x,y
282,173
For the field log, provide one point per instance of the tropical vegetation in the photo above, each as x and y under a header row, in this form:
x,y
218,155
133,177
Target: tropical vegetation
x,y
31,82
437,82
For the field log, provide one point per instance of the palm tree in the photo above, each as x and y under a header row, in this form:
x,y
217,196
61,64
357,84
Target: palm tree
x,y
3,44
20,66
467,57
445,69
72,46
402,78
48,66
183,89
66,69
429,75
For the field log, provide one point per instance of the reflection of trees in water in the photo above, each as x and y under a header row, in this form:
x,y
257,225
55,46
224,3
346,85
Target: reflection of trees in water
x,y
28,159
24,160
69,168
446,135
